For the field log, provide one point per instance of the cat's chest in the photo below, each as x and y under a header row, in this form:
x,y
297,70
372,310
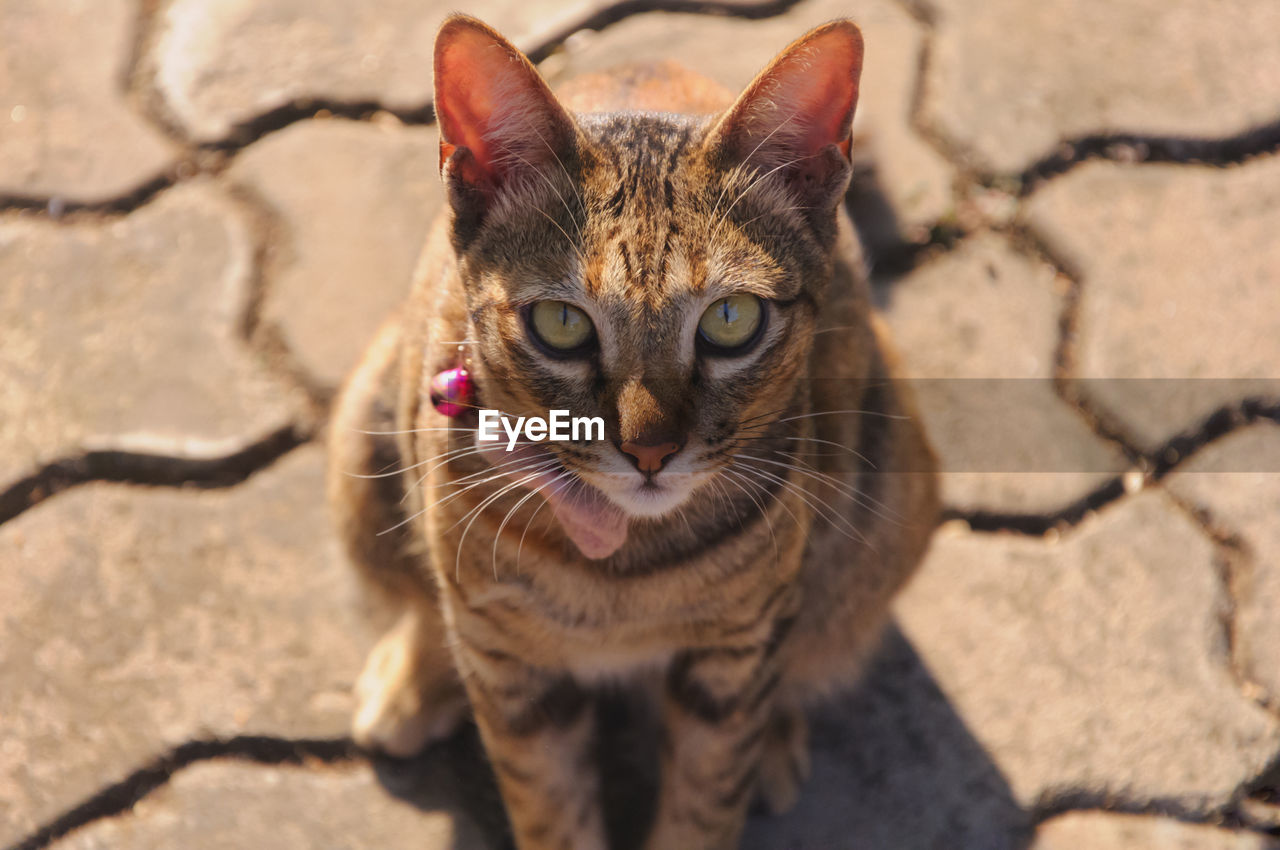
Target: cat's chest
x,y
601,626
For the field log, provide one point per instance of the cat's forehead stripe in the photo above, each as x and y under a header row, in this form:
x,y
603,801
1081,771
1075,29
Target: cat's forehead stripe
x,y
636,179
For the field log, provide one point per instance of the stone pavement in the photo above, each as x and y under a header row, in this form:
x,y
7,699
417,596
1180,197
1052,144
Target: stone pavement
x,y
206,207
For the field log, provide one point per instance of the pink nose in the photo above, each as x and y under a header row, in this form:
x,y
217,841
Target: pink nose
x,y
649,459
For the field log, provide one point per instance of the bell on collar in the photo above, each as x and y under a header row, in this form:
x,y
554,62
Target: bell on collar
x,y
452,392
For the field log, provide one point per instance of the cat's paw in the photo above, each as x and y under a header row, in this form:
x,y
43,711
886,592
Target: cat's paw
x,y
404,703
784,764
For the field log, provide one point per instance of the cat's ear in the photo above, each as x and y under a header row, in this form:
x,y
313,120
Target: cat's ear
x,y
797,114
498,119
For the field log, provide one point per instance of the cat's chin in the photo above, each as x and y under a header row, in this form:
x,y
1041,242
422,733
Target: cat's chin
x,y
650,501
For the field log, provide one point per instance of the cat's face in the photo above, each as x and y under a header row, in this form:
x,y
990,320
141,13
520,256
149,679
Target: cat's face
x,y
661,272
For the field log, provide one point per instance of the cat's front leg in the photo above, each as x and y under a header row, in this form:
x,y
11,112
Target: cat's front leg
x,y
718,706
538,729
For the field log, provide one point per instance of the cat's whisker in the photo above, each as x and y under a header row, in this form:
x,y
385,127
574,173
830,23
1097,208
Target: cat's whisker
x,y
475,513
386,473
877,413
806,497
407,431
768,497
764,513
463,452
865,499
840,487
528,523
744,442
555,482
467,451
766,414
498,536
722,500
680,513
528,472
528,464
842,447
822,508
451,496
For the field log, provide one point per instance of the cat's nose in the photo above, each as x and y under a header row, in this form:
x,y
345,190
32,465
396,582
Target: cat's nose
x,y
649,457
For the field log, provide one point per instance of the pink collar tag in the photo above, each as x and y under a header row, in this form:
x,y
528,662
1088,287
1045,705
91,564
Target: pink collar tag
x,y
452,392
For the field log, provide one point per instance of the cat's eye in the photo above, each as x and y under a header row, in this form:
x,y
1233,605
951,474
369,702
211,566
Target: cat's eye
x,y
731,324
561,326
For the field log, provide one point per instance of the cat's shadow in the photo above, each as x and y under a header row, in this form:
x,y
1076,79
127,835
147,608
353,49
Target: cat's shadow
x,y
893,767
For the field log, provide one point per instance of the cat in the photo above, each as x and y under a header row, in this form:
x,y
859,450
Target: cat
x,y
646,250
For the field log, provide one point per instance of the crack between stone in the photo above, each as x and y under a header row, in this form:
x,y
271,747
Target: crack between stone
x,y
1146,148
1038,525
119,797
269,237
1056,803
154,470
57,208
1153,466
1029,243
612,14
1264,789
1234,558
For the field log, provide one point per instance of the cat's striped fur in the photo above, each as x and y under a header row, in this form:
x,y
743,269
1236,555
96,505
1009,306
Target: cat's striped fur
x,y
759,575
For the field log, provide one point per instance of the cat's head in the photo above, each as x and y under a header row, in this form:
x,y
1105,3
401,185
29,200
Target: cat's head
x,y
658,270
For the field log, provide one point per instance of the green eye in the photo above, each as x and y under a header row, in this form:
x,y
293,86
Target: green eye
x,y
731,322
560,325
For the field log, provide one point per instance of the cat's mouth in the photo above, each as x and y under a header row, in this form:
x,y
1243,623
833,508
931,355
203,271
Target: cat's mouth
x,y
591,520
650,499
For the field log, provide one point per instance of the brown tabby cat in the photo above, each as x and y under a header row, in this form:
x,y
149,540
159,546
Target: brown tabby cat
x,y
684,272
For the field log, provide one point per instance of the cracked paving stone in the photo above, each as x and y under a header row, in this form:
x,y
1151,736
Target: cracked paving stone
x,y
1107,831
977,330
354,202
1008,80
218,65
1236,480
1095,667
916,180
123,334
66,130
224,805
136,619
1179,271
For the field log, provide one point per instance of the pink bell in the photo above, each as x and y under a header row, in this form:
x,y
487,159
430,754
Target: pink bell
x,y
452,393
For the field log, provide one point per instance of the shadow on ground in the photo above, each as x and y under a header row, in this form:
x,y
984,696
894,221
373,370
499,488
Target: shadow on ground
x,y
893,766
